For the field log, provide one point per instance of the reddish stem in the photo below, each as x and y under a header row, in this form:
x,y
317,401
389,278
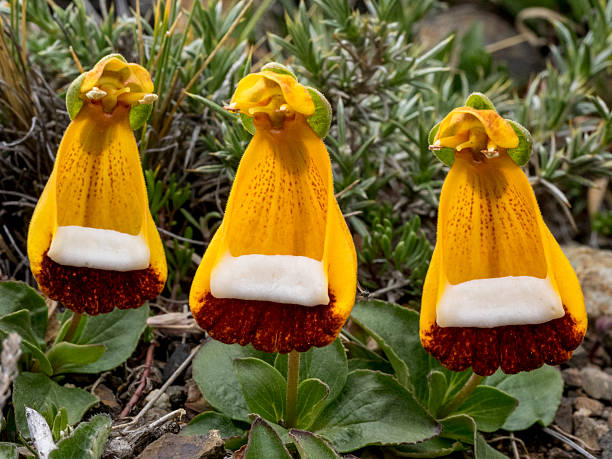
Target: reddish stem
x,y
143,383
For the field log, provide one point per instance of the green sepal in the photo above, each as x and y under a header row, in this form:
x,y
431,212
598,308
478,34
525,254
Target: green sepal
x,y
247,123
320,120
479,101
139,114
445,154
278,68
73,101
110,56
520,155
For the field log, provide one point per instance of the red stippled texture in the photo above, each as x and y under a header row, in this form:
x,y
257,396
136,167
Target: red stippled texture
x,y
97,291
268,326
514,348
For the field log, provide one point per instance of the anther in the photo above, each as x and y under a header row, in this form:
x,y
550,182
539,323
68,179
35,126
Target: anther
x,y
148,99
96,94
490,153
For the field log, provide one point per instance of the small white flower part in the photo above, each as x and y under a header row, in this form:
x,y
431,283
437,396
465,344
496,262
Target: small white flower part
x,y
148,99
96,94
233,107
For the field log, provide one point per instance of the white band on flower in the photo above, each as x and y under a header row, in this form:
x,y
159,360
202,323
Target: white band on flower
x,y
278,278
99,248
488,303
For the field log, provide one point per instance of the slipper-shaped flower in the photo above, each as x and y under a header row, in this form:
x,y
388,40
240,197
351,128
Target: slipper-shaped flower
x,y
92,243
499,291
281,270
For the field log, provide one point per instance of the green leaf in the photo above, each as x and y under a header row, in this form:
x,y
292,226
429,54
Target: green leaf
x,y
520,155
65,356
19,322
40,393
15,296
312,394
374,408
86,442
213,371
203,422
489,407
119,331
310,446
320,120
444,154
9,450
482,450
329,364
139,114
538,393
263,388
264,442
479,101
459,427
463,428
437,391
435,447
396,330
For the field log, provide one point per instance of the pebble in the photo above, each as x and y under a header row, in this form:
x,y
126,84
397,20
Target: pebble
x,y
177,395
563,418
593,406
605,443
597,383
572,377
163,402
173,446
594,270
588,429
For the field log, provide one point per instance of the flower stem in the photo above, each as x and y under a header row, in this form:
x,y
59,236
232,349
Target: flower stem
x,y
460,396
75,320
293,371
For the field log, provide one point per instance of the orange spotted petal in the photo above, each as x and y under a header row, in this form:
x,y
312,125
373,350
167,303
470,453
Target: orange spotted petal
x,y
96,193
490,230
281,204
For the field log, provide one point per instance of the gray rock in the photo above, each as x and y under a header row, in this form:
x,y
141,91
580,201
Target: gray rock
x,y
580,358
605,443
522,59
172,446
593,406
588,429
178,396
596,383
563,418
572,377
163,402
594,270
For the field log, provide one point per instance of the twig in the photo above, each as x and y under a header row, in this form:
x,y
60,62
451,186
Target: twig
x,y
514,448
564,439
180,412
143,382
163,388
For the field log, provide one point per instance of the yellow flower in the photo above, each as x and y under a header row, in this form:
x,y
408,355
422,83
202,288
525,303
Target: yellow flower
x,y
280,272
92,243
499,291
